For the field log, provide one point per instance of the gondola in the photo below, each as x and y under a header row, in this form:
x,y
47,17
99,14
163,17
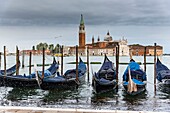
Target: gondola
x,y
66,81
134,79
29,80
163,74
105,79
10,71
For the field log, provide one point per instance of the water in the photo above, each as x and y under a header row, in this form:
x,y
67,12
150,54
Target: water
x,y
83,97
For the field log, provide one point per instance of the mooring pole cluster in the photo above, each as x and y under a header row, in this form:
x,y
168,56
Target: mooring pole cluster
x,y
43,66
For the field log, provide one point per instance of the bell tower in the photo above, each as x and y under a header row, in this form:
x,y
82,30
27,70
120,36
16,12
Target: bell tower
x,y
82,41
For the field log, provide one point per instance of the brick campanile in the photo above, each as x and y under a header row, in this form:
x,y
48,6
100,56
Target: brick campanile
x,y
82,38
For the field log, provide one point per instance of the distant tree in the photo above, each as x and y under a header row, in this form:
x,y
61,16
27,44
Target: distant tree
x,y
45,45
37,47
51,47
40,46
57,48
33,47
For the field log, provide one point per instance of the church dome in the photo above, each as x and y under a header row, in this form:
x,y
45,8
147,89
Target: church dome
x,y
108,37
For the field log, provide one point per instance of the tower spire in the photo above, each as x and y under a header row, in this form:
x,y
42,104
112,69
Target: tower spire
x,y
82,20
93,39
108,33
98,39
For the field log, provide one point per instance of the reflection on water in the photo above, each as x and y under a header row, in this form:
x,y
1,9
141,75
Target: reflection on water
x,y
84,97
104,97
133,102
21,94
165,89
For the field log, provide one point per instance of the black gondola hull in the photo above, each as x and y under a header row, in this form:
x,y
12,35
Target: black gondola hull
x,y
62,85
29,80
105,79
66,81
140,89
101,88
163,74
19,82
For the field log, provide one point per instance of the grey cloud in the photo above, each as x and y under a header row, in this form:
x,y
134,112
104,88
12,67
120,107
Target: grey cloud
x,y
96,12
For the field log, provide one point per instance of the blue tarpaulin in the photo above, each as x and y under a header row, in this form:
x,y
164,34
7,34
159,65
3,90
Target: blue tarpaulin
x,y
162,71
107,67
135,70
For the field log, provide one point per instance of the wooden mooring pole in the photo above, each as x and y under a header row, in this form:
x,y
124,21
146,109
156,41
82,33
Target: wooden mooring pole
x,y
5,60
17,61
76,62
88,63
43,65
62,60
117,66
23,58
155,68
30,59
144,58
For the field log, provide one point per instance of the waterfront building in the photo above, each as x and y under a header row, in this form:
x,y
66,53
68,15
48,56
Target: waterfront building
x,y
35,52
159,50
138,50
66,50
108,46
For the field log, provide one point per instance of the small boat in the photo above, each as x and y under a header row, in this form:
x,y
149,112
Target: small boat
x,y
29,80
134,79
105,79
163,74
66,81
10,71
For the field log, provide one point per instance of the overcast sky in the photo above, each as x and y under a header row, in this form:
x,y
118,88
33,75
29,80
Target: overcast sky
x,y
114,12
103,14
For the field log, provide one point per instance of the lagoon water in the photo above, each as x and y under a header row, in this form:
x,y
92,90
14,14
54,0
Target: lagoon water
x,y
83,97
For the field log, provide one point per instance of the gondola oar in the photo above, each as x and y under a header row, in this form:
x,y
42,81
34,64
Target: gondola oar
x,y
131,85
37,76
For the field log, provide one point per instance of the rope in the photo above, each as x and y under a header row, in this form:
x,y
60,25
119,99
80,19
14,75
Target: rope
x,y
152,83
149,83
91,69
47,58
77,82
117,85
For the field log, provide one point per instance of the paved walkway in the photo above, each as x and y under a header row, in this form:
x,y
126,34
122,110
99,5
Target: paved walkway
x,y
4,109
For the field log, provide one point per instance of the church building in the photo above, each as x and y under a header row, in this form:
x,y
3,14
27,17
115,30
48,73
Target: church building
x,y
108,46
